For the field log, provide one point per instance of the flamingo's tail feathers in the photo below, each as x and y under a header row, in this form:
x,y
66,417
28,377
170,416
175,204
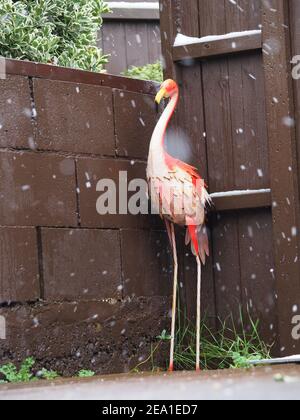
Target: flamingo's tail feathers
x,y
198,237
206,198
193,238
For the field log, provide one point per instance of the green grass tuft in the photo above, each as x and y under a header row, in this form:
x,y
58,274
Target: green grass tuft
x,y
227,348
230,347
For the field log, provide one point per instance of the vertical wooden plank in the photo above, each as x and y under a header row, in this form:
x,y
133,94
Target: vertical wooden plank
x,y
137,44
247,105
154,42
257,272
249,131
250,170
295,37
168,34
100,39
283,165
218,125
216,100
250,14
233,16
212,17
114,43
220,151
226,266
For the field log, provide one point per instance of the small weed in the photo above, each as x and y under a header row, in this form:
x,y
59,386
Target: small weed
x,y
153,351
13,375
26,373
164,336
86,374
49,375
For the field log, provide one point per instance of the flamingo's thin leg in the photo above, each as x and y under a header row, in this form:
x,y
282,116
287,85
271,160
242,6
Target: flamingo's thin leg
x,y
174,298
198,313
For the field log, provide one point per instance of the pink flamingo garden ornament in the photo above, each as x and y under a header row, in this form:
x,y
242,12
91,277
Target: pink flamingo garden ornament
x,y
179,195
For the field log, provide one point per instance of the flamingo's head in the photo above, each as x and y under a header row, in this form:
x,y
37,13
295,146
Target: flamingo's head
x,y
167,90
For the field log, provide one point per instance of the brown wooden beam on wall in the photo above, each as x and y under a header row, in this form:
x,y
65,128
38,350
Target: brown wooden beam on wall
x,y
241,200
48,71
283,166
217,47
132,13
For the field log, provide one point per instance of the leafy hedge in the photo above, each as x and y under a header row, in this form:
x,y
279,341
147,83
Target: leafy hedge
x,y
62,32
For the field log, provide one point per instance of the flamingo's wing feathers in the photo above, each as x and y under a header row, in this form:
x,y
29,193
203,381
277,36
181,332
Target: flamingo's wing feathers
x,y
176,163
198,237
203,242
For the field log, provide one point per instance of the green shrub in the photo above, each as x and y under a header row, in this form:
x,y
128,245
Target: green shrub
x,y
62,32
149,72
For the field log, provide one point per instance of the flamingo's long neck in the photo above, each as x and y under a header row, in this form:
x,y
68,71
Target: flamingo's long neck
x,y
159,134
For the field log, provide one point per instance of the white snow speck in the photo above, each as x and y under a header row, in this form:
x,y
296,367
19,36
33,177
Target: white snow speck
x,y
218,266
288,121
142,122
260,173
294,231
25,187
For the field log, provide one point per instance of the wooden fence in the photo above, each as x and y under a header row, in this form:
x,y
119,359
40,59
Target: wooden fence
x,y
77,290
131,36
239,105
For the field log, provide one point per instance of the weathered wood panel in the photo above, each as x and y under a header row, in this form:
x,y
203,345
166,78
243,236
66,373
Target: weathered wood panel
x,y
245,100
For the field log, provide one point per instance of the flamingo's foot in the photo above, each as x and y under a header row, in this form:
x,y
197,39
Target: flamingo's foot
x,y
171,367
198,369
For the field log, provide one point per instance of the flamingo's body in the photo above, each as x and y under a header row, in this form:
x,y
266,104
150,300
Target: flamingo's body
x,y
179,195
